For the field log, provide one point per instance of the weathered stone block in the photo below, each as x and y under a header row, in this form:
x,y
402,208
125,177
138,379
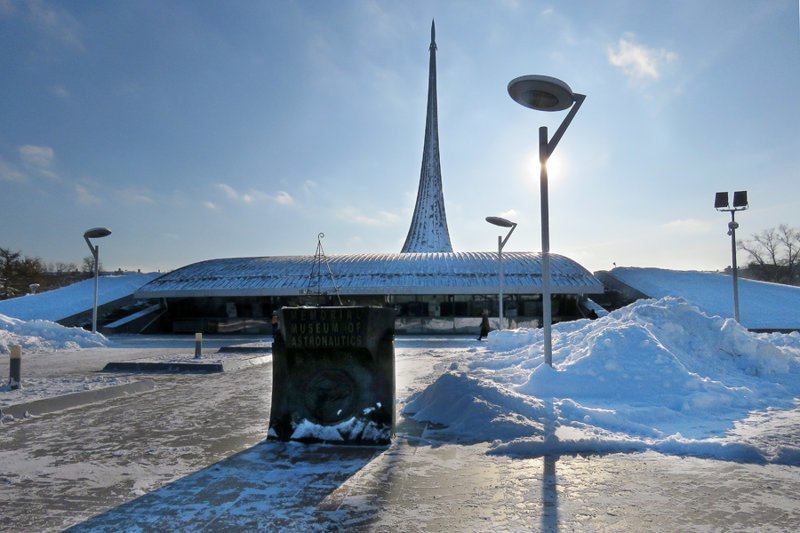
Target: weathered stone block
x,y
333,375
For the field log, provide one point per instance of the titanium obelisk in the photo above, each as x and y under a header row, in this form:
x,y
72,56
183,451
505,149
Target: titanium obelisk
x,y
428,231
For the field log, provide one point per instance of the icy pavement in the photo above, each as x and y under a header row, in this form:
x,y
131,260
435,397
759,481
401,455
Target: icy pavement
x,y
191,455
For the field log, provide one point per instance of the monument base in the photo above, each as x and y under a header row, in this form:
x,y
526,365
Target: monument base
x,y
333,375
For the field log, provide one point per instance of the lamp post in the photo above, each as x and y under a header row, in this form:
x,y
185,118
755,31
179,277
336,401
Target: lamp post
x,y
501,242
544,93
95,233
739,204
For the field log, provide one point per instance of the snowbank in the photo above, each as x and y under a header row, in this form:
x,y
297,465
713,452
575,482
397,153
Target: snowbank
x,y
44,336
658,374
61,303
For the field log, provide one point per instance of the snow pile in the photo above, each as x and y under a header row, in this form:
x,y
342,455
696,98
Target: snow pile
x,y
61,303
44,336
658,374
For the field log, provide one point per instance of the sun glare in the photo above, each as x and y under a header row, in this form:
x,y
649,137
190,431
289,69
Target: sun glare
x,y
555,167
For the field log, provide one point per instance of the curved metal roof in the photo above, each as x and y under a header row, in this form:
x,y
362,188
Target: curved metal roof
x,y
360,274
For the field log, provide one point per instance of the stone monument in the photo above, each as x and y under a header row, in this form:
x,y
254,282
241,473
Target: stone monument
x,y
333,375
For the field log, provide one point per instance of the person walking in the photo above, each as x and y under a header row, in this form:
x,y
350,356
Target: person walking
x,y
274,323
484,325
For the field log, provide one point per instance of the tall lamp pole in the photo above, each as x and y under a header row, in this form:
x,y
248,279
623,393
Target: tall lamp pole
x,y
739,204
501,242
95,233
544,93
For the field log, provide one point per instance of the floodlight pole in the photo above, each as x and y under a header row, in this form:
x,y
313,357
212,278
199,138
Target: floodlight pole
x,y
546,149
732,225
739,204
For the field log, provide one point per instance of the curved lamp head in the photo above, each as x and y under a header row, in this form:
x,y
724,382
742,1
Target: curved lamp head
x,y
542,93
502,222
96,233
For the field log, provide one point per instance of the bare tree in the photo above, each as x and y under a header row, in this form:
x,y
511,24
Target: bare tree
x,y
774,254
790,240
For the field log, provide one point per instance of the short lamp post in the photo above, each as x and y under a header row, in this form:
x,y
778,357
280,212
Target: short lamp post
x,y
95,233
501,242
739,204
544,93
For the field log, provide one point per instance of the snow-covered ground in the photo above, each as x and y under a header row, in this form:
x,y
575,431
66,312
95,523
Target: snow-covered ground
x,y
658,375
67,301
658,378
761,305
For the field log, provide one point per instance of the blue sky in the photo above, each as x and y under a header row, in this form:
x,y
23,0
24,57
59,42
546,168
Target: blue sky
x,y
200,129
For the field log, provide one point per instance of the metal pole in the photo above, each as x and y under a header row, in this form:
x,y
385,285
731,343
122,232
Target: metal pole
x,y
198,345
15,367
544,155
96,254
500,260
735,269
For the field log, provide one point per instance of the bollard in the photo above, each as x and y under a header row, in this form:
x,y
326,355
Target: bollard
x,y
198,345
15,370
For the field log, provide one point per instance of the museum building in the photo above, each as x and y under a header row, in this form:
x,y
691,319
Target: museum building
x,y
431,288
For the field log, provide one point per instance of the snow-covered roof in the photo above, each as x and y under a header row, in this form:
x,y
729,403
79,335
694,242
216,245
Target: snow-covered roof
x,y
403,273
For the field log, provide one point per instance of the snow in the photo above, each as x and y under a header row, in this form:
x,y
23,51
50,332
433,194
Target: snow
x,y
44,336
61,303
661,375
762,305
656,375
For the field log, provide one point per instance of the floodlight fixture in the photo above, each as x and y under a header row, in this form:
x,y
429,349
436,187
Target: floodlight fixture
x,y
722,203
721,200
545,93
501,242
740,199
95,233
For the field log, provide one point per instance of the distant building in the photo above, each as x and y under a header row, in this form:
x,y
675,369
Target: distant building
x,y
432,288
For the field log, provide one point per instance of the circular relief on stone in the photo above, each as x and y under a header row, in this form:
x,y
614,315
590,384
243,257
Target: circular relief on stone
x,y
330,395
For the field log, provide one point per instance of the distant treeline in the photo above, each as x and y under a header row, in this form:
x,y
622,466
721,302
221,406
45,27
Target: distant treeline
x,y
20,275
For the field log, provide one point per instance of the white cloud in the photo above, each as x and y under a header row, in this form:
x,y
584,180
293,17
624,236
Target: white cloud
x,y
229,191
135,197
210,205
85,197
60,91
309,185
253,196
283,198
639,62
38,159
37,156
687,226
56,23
351,214
9,172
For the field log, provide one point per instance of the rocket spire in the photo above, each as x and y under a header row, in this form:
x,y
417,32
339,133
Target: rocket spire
x,y
428,231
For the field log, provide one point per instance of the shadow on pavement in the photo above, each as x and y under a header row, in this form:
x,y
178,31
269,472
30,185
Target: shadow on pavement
x,y
271,486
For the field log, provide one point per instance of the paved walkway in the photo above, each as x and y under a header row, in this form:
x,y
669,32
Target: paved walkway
x,y
191,456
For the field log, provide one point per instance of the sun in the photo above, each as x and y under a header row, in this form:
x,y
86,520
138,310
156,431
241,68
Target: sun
x,y
555,167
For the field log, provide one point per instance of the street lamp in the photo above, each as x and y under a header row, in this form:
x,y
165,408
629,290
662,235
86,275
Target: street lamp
x,y
544,93
95,233
501,242
739,204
